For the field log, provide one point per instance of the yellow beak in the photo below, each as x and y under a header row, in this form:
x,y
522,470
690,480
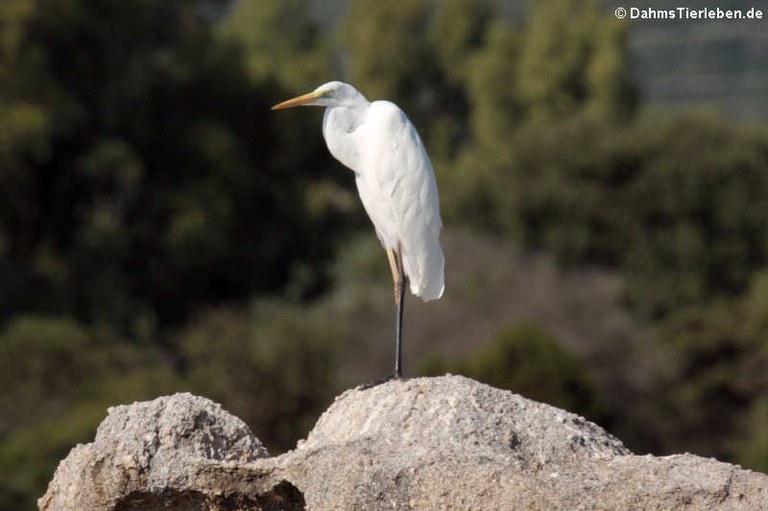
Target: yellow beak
x,y
301,100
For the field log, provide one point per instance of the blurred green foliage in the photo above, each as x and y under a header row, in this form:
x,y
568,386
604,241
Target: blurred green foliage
x,y
528,360
58,378
141,167
281,351
751,449
162,230
718,372
677,204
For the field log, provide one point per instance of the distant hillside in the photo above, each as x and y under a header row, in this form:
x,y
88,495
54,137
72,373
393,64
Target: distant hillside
x,y
717,64
691,64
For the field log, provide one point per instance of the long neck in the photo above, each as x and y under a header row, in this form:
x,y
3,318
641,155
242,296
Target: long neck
x,y
339,126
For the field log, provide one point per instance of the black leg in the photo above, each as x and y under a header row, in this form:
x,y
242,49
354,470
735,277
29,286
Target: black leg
x,y
401,284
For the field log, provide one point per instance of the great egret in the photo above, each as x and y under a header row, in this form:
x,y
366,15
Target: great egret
x,y
396,183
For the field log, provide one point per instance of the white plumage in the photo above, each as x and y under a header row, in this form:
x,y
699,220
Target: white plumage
x,y
397,186
395,180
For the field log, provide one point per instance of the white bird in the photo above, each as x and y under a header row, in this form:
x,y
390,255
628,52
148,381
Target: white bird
x,y
396,183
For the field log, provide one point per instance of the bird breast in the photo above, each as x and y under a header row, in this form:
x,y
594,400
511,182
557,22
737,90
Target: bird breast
x,y
340,130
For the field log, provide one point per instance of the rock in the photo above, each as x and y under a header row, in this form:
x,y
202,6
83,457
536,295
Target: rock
x,y
425,443
176,452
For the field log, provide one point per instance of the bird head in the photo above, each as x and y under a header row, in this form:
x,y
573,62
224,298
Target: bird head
x,y
328,94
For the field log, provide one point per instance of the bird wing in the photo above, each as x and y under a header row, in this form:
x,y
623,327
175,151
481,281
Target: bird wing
x,y
398,189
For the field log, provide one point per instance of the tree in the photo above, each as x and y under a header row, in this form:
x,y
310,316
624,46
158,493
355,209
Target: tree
x,y
280,42
141,168
675,204
565,66
417,54
572,56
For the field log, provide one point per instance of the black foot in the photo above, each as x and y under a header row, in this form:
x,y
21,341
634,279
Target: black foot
x,y
376,383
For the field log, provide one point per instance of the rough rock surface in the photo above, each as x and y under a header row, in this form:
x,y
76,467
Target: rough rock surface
x,y
176,452
426,443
